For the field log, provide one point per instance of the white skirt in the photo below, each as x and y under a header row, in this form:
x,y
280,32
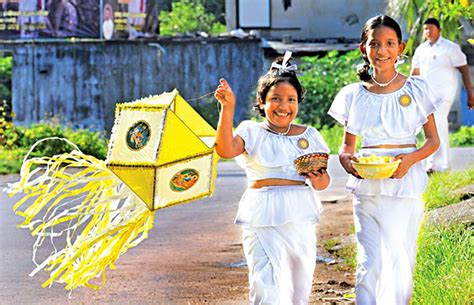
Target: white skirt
x,y
386,230
281,262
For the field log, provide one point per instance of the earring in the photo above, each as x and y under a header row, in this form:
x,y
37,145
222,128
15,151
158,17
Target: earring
x,y
367,63
401,59
371,70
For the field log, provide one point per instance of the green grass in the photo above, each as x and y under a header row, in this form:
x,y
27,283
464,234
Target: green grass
x,y
445,260
443,272
443,188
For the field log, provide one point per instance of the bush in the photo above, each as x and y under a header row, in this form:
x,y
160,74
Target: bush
x,y
323,78
188,16
5,78
463,137
11,160
22,138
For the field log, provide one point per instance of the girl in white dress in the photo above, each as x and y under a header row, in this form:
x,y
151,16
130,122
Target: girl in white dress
x,y
278,211
386,109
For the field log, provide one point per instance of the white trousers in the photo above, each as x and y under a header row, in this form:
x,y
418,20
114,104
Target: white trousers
x,y
439,161
386,230
281,262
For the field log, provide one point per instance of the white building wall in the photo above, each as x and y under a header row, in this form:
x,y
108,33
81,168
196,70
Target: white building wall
x,y
314,19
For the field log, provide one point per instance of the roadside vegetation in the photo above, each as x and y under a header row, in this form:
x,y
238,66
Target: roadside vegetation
x,y
443,271
455,17
188,17
445,258
444,187
15,141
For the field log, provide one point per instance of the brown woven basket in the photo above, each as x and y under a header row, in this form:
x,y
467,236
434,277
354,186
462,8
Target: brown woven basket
x,y
310,163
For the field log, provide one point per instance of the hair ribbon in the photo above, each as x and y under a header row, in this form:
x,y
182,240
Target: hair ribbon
x,y
285,67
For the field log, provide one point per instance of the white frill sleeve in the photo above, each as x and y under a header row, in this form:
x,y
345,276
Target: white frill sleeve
x,y
341,109
341,105
319,143
424,97
244,130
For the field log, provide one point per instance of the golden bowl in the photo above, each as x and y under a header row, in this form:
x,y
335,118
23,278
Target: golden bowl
x,y
376,167
312,162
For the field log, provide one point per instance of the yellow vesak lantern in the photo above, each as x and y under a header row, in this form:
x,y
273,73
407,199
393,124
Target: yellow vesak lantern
x,y
161,153
163,150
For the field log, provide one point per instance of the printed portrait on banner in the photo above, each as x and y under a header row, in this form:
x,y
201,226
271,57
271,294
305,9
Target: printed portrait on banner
x,y
33,19
130,19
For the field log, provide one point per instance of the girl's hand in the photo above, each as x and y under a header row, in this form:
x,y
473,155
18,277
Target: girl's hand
x,y
319,179
345,159
224,94
404,166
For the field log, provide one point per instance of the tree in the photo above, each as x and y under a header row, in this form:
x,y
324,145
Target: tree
x,y
453,15
188,16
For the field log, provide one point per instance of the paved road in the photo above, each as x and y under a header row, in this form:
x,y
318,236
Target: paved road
x,y
204,221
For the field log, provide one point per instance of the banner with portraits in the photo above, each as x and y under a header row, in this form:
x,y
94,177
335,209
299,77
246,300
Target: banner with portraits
x,y
115,19
33,19
129,19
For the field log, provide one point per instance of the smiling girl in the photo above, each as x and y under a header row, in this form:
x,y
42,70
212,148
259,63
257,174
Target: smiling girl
x,y
387,110
278,211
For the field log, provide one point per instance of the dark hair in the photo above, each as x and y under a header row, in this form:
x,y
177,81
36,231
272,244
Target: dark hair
x,y
433,21
272,78
371,24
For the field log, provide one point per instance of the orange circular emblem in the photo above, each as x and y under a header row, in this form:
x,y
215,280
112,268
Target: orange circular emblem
x,y
303,143
405,100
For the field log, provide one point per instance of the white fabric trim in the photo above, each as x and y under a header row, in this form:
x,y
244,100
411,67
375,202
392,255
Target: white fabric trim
x,y
278,205
380,118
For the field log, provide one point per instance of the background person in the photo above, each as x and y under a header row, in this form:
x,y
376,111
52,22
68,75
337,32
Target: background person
x,y
439,61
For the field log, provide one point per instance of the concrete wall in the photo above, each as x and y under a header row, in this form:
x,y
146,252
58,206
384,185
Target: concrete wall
x,y
81,82
315,19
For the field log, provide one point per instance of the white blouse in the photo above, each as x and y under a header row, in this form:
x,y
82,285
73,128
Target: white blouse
x,y
391,118
269,155
437,63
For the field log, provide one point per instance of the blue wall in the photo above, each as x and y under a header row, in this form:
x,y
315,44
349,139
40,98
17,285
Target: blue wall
x,y
80,82
467,116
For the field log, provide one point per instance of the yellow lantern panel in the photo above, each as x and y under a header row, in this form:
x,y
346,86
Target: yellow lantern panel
x,y
185,181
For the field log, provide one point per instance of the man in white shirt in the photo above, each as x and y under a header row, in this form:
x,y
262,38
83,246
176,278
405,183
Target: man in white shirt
x,y
438,60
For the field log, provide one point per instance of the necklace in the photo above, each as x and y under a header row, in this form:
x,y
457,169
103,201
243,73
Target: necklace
x,y
384,84
276,132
